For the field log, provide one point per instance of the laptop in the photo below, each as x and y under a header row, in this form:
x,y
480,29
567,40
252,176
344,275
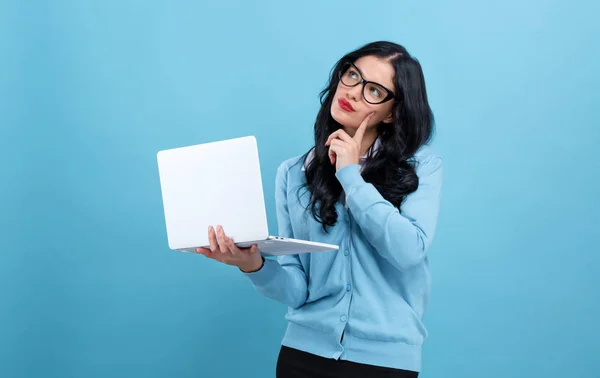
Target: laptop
x,y
220,183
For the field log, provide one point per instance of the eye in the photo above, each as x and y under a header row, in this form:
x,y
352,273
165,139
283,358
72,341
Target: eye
x,y
375,92
353,74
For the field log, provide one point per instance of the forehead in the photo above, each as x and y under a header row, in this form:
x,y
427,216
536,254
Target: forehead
x,y
377,70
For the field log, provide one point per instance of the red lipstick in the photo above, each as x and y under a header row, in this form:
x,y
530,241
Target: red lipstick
x,y
345,105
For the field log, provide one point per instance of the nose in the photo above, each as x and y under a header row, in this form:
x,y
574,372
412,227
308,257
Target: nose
x,y
354,93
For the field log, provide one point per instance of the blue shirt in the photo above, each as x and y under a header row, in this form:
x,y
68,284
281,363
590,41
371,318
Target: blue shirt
x,y
375,289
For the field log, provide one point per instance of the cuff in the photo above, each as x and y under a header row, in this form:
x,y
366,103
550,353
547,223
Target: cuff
x,y
350,177
262,276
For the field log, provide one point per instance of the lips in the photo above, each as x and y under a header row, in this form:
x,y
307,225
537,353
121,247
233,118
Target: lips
x,y
345,105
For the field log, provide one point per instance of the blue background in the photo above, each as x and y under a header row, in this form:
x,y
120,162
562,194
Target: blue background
x,y
90,91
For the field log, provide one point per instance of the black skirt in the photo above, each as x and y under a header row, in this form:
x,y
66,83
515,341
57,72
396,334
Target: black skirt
x,y
294,363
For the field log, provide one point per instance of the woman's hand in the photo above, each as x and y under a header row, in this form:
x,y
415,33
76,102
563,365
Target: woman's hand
x,y
223,249
344,149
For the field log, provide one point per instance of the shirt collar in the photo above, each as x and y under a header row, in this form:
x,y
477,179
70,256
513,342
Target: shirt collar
x,y
361,160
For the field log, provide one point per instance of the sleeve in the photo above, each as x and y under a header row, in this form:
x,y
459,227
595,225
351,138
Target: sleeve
x,y
401,237
284,279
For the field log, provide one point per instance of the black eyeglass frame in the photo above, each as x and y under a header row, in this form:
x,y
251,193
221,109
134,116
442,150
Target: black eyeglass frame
x,y
346,66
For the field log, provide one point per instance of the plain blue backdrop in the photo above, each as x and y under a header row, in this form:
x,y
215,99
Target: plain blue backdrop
x,y
91,90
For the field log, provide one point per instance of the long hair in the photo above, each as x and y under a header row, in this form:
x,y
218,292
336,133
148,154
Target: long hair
x,y
390,169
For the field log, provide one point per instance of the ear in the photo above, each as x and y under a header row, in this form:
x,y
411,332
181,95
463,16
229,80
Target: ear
x,y
388,119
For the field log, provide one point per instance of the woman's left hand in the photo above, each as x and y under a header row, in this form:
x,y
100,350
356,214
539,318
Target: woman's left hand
x,y
344,149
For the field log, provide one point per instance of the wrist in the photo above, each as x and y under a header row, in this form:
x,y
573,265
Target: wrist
x,y
254,267
349,175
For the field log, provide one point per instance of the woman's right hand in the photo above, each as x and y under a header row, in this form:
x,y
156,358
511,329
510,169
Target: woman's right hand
x,y
223,249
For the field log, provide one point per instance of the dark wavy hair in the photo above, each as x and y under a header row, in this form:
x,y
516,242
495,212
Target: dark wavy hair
x,y
391,169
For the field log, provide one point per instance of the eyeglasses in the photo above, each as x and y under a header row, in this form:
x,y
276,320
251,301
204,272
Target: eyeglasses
x,y
372,92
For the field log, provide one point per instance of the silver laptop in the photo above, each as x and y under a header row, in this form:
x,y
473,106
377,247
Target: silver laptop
x,y
220,183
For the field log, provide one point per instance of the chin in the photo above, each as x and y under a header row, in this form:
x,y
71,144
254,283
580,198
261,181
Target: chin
x,y
343,118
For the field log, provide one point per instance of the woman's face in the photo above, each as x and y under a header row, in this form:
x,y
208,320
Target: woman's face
x,y
349,107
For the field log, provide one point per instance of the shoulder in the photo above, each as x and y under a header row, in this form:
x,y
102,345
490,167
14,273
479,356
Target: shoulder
x,y
427,160
293,163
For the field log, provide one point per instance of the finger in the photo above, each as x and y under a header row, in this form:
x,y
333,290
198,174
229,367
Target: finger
x,y
212,240
337,150
341,146
360,132
331,155
331,136
232,247
341,134
221,240
344,136
204,251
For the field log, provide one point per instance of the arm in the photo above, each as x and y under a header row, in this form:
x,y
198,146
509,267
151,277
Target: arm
x,y
283,280
402,238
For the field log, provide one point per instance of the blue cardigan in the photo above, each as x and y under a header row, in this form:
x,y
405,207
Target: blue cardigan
x,y
365,302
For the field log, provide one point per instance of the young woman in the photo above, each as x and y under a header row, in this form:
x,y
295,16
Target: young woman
x,y
371,185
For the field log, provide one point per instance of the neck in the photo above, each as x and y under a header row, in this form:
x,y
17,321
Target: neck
x,y
367,140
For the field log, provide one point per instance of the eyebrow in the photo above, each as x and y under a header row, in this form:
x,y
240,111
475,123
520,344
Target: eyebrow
x,y
359,71
363,76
